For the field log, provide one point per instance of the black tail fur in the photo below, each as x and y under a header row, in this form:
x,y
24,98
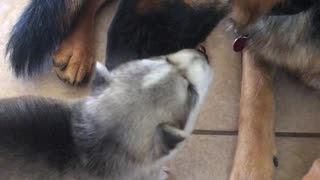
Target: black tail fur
x,y
39,30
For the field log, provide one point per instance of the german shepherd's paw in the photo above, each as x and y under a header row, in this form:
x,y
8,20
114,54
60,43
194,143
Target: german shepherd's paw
x,y
314,172
74,60
252,174
254,167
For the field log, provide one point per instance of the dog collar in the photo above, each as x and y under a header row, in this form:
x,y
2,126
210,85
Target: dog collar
x,y
240,41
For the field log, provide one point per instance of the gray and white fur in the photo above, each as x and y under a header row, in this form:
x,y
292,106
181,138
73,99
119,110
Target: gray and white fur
x,y
136,119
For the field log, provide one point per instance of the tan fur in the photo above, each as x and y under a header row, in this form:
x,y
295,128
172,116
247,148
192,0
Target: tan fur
x,y
72,7
247,11
314,173
277,45
53,84
256,141
75,57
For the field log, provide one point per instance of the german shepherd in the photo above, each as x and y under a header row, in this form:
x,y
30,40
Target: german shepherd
x,y
143,28
64,30
136,119
286,41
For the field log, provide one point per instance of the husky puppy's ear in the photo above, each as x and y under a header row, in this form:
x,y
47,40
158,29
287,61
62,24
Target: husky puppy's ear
x,y
101,80
170,137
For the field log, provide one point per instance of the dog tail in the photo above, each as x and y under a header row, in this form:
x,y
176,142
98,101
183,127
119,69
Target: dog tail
x,y
35,36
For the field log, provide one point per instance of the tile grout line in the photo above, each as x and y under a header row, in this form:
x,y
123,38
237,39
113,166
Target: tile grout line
x,y
235,133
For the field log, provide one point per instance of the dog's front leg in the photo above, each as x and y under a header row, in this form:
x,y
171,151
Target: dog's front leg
x,y
74,59
256,141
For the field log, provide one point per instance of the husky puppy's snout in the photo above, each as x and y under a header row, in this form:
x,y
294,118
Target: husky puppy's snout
x,y
194,66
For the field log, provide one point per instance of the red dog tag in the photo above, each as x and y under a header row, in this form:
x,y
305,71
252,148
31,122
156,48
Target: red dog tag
x,y
240,43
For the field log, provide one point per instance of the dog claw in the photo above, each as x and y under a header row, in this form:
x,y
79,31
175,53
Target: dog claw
x,y
275,161
62,67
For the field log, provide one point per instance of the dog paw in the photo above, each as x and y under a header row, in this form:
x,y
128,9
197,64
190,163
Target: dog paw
x,y
74,60
314,172
251,174
253,169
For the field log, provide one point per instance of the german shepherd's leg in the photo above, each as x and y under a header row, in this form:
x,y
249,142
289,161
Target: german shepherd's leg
x,y
74,59
256,141
314,173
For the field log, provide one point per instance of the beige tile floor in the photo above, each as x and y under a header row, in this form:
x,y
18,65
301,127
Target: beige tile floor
x,y
205,156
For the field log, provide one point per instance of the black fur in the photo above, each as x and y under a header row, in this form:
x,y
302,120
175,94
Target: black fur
x,y
169,138
315,21
175,26
39,30
291,7
37,129
132,35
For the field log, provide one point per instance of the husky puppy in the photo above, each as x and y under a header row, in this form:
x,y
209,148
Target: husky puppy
x,y
136,118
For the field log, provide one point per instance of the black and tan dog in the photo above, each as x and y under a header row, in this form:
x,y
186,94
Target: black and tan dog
x,y
63,30
143,28
289,42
